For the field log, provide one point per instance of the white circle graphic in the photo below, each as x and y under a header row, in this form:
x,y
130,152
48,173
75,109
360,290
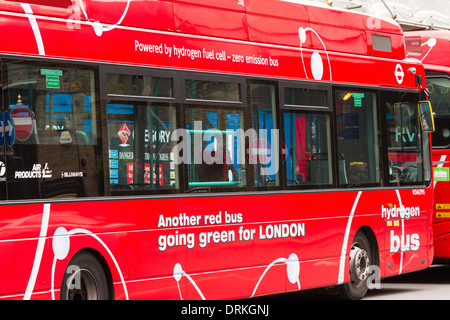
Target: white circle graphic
x,y
317,66
302,35
61,243
293,268
177,272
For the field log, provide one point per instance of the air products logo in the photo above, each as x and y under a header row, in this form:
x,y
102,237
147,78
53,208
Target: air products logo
x,y
35,173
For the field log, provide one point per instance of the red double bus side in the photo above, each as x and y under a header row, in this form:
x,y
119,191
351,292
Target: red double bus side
x,y
224,244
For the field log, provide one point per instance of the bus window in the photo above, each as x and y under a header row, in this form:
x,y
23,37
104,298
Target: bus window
x,y
439,88
308,149
263,152
358,141
215,158
306,145
404,139
119,84
55,152
141,160
212,90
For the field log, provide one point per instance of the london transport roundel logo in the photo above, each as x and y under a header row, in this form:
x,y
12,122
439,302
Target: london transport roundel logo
x,y
399,74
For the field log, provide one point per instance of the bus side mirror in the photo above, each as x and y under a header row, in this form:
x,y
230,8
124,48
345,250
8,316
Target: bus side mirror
x,y
426,116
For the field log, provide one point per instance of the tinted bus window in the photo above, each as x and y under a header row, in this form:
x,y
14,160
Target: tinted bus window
x,y
215,155
139,85
306,145
264,151
308,149
212,90
305,97
214,121
404,139
439,88
357,134
55,152
140,148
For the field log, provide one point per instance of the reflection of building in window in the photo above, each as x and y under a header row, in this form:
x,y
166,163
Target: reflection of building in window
x,y
63,138
140,147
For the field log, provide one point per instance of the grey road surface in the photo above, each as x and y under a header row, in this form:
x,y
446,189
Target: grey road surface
x,y
429,284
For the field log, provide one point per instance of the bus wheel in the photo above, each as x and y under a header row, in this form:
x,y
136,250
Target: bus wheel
x,y
359,266
84,279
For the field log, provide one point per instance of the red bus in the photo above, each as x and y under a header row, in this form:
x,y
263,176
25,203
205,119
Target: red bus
x,y
432,48
168,149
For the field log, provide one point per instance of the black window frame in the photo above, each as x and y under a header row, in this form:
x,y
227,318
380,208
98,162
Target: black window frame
x,y
173,101
308,109
201,103
431,75
424,146
380,122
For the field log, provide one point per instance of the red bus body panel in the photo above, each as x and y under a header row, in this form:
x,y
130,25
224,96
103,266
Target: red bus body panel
x,y
219,255
315,227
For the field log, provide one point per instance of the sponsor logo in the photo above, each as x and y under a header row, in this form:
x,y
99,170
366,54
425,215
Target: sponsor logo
x,y
36,172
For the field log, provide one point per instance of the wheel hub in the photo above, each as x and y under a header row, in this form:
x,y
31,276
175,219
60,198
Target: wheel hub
x,y
82,286
359,265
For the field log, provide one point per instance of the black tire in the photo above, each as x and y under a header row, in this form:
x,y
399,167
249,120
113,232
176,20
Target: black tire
x,y
359,265
84,279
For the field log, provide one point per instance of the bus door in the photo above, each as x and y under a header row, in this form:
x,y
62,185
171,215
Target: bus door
x,y
402,212
439,88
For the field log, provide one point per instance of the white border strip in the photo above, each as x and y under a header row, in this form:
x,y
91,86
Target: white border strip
x,y
39,252
37,34
345,243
